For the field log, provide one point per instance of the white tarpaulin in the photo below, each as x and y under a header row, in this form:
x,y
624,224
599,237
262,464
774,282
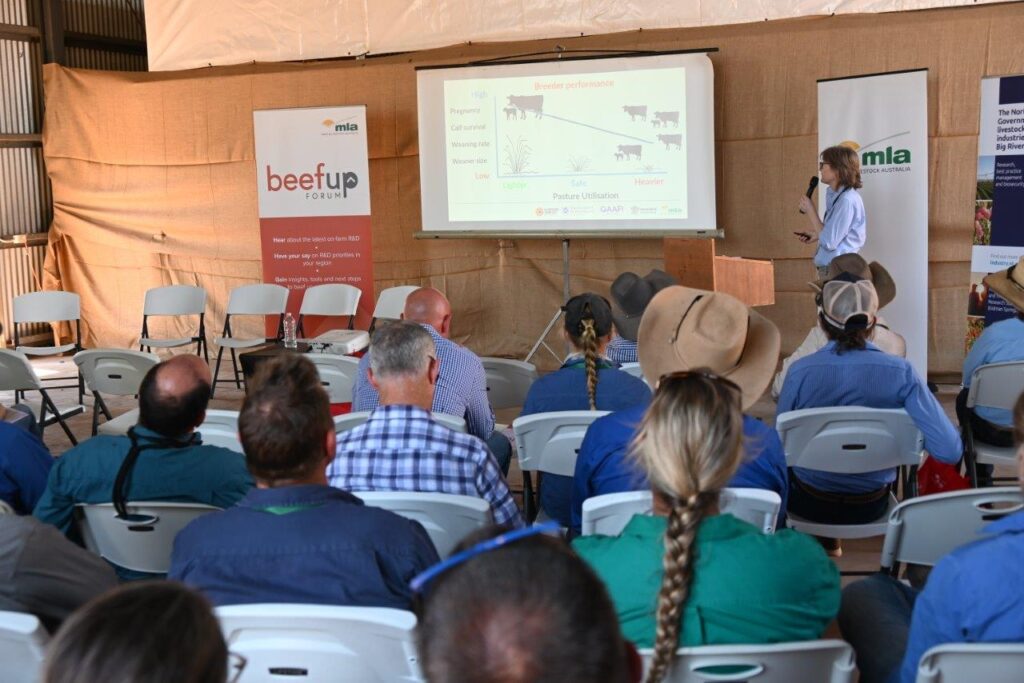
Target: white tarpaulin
x,y
185,34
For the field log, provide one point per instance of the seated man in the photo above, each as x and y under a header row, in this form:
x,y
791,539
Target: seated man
x,y
24,466
681,329
881,336
400,448
293,526
630,296
489,618
163,456
461,384
850,371
973,595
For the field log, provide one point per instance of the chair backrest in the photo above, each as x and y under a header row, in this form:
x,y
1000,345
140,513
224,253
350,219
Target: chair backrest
x,y
44,307
331,299
609,514
997,385
391,302
16,371
925,529
972,663
338,375
321,643
143,542
114,371
175,300
22,647
508,381
446,517
632,369
849,439
550,442
821,661
343,423
220,428
263,299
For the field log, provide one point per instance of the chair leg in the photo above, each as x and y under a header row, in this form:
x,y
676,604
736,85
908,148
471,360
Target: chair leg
x,y
529,508
216,371
234,369
60,418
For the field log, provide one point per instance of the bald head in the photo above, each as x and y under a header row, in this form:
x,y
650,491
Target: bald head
x,y
173,396
429,306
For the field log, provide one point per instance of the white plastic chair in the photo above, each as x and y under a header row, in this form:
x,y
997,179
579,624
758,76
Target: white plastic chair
x,y
508,381
142,543
821,661
16,374
993,386
322,643
49,307
609,514
337,375
175,300
849,440
343,423
972,663
115,373
261,300
446,517
220,428
926,529
549,442
391,303
330,300
23,643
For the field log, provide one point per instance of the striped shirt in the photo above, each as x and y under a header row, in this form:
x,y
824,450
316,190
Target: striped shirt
x,y
621,351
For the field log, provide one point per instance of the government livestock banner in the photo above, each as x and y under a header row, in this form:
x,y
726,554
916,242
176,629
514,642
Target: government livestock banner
x,y
313,183
884,118
998,231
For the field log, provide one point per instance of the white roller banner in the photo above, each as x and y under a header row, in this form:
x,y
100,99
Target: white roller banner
x,y
884,118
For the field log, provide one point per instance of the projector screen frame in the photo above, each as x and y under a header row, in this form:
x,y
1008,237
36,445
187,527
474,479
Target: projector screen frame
x,y
601,54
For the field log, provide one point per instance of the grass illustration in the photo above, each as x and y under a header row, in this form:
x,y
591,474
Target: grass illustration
x,y
516,155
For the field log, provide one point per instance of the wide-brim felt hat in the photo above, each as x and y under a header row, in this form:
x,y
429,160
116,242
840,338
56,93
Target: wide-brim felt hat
x,y
630,296
885,286
1009,284
685,329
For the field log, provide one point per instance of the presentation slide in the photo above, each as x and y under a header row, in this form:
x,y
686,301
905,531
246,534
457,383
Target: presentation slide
x,y
614,145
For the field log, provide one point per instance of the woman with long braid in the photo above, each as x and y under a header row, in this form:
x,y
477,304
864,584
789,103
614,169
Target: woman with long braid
x,y
587,380
688,575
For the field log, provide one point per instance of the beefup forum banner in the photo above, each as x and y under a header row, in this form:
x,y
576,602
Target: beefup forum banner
x,y
998,237
313,180
884,118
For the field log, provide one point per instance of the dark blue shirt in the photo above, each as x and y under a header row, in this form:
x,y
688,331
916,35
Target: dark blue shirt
x,y
603,465
24,467
303,544
566,389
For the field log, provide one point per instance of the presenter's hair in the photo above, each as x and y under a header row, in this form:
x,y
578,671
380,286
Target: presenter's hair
x,y
690,444
845,163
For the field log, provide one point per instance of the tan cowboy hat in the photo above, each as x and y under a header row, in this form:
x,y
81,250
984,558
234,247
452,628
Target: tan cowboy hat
x,y
855,264
1009,284
684,329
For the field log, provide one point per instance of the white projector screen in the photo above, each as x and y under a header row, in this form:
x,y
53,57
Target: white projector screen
x,y
611,146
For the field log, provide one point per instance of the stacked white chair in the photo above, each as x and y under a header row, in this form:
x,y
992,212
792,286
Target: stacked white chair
x,y
250,300
820,661
220,428
508,381
609,514
113,372
176,301
446,517
17,375
338,375
23,643
343,423
993,386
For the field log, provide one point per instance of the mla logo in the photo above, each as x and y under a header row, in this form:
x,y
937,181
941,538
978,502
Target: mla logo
x,y
873,157
339,126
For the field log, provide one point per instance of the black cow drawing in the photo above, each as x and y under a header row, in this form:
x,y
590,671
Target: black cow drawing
x,y
666,117
635,112
670,140
631,150
525,103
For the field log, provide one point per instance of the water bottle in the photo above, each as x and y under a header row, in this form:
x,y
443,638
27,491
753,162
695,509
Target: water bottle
x,y
289,332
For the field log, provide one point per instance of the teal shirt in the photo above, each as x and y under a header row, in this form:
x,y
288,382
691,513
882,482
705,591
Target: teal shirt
x,y
747,587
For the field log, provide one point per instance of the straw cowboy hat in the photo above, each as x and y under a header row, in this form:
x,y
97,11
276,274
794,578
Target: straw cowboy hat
x,y
855,264
1009,284
631,294
684,329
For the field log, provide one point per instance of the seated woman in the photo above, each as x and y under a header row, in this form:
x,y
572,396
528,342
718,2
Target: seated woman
x,y
688,575
586,381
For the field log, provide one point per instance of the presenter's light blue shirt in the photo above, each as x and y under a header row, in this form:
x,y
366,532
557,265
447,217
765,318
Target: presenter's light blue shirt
x,y
1001,342
869,378
845,225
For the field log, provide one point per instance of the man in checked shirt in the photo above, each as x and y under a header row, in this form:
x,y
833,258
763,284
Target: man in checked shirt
x,y
400,448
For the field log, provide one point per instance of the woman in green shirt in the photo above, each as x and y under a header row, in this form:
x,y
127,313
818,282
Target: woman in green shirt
x,y
689,575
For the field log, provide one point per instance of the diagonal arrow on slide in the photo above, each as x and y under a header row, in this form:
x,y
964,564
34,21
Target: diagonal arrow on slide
x,y
603,130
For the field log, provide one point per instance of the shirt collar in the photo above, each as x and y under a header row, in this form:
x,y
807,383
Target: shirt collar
x,y
574,359
145,434
1011,524
302,495
398,411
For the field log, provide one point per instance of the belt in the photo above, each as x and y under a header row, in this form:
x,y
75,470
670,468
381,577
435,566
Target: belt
x,y
832,497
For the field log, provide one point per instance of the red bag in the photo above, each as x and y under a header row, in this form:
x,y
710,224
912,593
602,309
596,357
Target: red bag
x,y
938,477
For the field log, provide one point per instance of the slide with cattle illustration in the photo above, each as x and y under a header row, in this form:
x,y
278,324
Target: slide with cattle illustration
x,y
579,147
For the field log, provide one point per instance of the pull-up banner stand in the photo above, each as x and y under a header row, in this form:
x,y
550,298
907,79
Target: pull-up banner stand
x,y
313,180
884,118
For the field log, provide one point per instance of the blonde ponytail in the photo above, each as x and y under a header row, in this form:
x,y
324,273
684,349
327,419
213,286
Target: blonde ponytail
x,y
589,345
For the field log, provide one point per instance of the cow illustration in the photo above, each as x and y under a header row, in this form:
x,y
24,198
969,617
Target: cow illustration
x,y
510,113
656,123
525,103
635,112
631,150
670,140
666,117
618,156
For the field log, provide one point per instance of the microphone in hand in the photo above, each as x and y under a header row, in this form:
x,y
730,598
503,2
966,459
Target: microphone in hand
x,y
810,188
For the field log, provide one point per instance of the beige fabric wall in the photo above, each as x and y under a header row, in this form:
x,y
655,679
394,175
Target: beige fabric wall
x,y
153,174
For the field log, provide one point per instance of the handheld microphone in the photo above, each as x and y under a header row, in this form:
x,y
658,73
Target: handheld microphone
x,y
810,188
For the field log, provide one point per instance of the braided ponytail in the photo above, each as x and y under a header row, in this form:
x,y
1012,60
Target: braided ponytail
x,y
588,342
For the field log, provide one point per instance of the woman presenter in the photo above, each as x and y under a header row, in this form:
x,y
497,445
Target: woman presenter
x,y
844,227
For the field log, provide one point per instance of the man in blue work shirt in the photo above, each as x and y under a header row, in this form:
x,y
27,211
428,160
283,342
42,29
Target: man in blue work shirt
x,y
293,538
688,329
24,466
